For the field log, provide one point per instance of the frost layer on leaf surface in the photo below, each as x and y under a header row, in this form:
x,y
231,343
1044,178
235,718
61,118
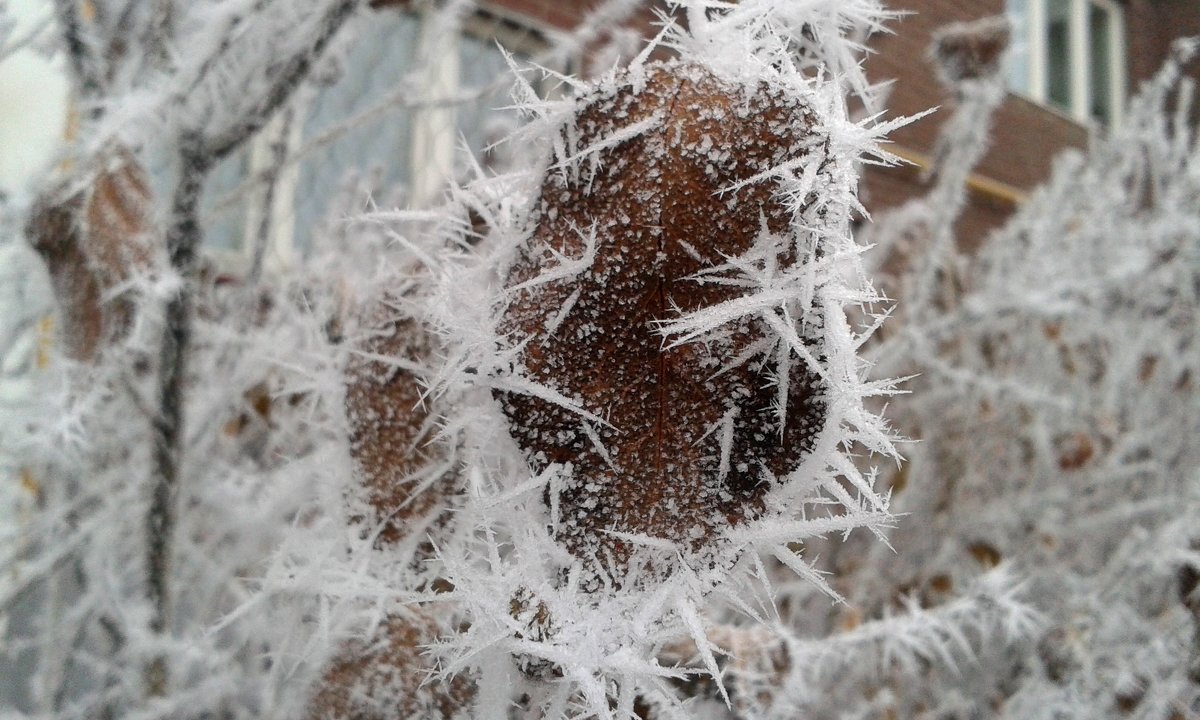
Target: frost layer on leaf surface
x,y
664,244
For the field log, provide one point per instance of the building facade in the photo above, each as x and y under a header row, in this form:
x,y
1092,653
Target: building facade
x,y
1073,65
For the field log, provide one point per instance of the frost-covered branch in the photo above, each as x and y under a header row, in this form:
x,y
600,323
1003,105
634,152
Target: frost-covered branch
x,y
773,673
82,53
287,74
609,432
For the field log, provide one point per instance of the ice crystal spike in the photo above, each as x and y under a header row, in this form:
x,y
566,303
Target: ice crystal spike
x,y
688,450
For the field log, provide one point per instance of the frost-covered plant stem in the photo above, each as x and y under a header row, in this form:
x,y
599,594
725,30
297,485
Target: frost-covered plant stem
x,y
978,90
963,142
775,672
183,238
270,180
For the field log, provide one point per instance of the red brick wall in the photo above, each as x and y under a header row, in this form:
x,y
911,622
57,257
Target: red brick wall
x,y
561,14
901,57
1025,136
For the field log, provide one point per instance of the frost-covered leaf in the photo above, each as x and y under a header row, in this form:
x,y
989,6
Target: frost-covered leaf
x,y
687,451
94,238
390,676
392,431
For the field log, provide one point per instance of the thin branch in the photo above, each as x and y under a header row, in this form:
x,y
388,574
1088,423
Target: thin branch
x,y
198,155
10,48
226,34
291,73
158,33
80,53
183,238
279,154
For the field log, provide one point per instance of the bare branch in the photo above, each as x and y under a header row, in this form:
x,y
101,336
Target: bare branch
x,y
84,60
290,74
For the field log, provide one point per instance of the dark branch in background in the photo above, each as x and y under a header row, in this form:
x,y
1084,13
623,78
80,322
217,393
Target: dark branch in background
x,y
199,149
227,34
158,33
288,77
139,40
183,237
85,65
9,45
198,154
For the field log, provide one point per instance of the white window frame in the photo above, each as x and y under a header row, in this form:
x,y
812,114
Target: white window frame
x,y
1079,57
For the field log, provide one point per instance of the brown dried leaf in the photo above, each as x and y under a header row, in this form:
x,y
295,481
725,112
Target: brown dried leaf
x,y
985,554
659,217
1074,450
390,678
93,240
390,430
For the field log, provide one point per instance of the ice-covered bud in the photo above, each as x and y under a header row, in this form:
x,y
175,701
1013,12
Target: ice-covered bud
x,y
971,51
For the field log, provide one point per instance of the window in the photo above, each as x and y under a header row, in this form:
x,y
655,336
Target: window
x,y
375,123
1069,54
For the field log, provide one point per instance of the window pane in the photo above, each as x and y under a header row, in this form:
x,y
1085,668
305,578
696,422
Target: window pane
x,y
1099,40
381,147
381,55
222,207
1058,53
368,74
1018,58
485,75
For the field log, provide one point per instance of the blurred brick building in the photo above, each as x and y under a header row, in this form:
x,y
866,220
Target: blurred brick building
x,y
1074,64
